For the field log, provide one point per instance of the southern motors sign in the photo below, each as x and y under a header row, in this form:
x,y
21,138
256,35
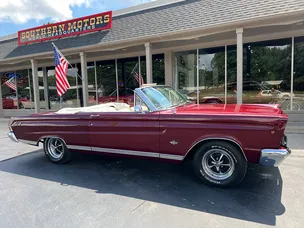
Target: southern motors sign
x,y
102,21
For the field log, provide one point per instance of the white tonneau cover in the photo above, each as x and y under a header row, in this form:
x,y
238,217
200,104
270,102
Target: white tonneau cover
x,y
107,107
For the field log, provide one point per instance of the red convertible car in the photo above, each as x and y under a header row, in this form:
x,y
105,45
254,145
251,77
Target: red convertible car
x,y
219,139
7,103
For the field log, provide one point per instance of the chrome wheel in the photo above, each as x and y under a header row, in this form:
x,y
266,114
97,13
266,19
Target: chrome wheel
x,y
55,148
218,164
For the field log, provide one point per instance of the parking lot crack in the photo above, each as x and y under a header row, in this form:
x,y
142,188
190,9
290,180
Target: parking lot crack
x,y
138,206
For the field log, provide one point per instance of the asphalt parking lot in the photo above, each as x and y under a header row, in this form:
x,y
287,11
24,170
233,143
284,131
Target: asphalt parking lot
x,y
98,191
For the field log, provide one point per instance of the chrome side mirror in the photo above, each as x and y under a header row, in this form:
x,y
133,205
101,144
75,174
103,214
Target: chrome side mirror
x,y
138,109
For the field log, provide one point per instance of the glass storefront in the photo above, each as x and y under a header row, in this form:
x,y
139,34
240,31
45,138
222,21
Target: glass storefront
x,y
102,83
267,72
298,76
185,80
212,73
69,99
16,89
211,78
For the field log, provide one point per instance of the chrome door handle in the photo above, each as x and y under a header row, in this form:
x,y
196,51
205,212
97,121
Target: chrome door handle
x,y
94,115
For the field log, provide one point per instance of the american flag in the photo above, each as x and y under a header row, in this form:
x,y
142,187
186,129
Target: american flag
x,y
138,77
11,84
61,68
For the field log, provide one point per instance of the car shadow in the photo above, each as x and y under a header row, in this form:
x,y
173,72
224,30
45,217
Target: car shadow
x,y
257,199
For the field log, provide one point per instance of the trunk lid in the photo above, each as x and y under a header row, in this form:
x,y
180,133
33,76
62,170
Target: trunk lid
x,y
231,109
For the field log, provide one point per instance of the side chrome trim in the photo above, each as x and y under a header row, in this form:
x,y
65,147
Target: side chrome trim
x,y
273,157
127,152
33,143
171,157
86,148
225,139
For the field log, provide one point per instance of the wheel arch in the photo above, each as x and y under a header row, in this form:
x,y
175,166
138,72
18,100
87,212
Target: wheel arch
x,y
43,138
190,153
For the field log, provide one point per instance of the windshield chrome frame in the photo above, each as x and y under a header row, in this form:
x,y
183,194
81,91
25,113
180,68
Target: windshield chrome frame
x,y
145,99
149,103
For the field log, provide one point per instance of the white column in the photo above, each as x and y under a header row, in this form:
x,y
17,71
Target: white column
x,y
139,66
239,88
169,68
46,90
35,86
17,95
292,70
1,104
96,86
84,76
116,74
149,63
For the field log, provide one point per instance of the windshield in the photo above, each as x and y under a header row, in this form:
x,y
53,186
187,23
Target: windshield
x,y
164,97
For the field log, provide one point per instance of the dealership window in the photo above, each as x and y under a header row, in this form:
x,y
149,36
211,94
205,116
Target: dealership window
x,y
128,76
16,97
207,80
158,68
231,74
298,75
102,82
267,72
92,82
69,98
185,80
211,80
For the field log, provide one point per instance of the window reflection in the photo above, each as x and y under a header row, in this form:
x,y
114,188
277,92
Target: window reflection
x,y
69,98
267,72
298,78
16,92
212,75
106,81
185,80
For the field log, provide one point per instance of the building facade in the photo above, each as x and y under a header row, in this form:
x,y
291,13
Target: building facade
x,y
212,51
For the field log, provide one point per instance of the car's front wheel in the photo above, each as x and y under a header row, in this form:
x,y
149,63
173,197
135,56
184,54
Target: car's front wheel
x,y
56,150
219,163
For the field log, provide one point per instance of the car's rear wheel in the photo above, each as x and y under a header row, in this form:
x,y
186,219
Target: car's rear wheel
x,y
219,163
56,150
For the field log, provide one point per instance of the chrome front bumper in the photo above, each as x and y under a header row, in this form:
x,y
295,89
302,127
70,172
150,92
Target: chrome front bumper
x,y
274,157
12,136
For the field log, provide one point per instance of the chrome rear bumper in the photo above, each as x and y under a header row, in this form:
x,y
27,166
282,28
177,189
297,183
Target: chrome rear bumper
x,y
274,157
12,136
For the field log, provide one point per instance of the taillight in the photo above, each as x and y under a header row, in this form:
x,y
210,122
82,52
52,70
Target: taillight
x,y
284,141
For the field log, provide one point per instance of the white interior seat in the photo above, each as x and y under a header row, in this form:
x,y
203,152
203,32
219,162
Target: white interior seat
x,y
107,107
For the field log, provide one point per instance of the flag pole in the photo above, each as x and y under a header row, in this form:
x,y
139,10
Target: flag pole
x,y
17,95
65,59
139,71
60,101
